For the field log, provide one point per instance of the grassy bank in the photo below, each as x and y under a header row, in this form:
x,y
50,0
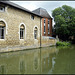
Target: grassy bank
x,y
63,43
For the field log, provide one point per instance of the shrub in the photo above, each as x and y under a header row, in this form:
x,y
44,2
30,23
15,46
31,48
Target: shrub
x,y
63,44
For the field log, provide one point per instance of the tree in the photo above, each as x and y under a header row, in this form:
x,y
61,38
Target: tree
x,y
64,18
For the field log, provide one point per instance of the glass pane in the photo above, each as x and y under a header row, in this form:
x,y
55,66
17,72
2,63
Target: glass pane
x,y
21,33
3,33
48,21
2,8
44,28
44,20
0,33
35,34
32,17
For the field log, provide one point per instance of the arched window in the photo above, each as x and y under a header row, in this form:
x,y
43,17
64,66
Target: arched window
x,y
35,33
2,29
22,30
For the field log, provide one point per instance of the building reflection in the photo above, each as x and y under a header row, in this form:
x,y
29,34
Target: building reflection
x,y
2,69
48,60
28,62
22,67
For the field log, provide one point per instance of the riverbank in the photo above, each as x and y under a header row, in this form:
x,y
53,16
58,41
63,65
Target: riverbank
x,y
20,48
45,42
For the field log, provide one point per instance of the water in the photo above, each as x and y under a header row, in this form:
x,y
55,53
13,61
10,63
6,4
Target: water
x,y
49,60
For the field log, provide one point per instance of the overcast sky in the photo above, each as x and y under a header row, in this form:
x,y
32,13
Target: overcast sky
x,y
48,5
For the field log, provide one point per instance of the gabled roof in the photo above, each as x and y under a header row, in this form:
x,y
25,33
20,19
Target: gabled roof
x,y
18,7
42,12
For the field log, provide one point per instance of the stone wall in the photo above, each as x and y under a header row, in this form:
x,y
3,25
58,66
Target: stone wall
x,y
13,18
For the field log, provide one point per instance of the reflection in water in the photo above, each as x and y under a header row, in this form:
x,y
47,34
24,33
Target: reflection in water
x,y
22,67
2,69
35,63
53,62
50,60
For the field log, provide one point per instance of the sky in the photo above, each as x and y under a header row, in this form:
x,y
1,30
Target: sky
x,y
48,5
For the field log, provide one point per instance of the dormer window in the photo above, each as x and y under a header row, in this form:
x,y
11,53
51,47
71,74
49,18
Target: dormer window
x,y
2,9
32,17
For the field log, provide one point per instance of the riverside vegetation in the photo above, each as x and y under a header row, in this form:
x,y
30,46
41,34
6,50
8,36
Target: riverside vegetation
x,y
63,43
64,18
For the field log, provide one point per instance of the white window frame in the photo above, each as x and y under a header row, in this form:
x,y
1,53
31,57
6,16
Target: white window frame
x,y
48,29
45,26
24,31
48,26
2,28
3,9
33,16
5,33
37,32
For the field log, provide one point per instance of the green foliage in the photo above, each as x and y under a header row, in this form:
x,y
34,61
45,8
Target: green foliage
x,y
64,18
63,44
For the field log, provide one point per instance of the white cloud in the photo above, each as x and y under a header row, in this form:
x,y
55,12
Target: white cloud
x,y
48,5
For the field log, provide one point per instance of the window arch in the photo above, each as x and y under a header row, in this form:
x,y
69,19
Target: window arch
x,y
35,32
22,31
2,29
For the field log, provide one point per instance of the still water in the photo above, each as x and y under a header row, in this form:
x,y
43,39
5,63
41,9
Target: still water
x,y
49,60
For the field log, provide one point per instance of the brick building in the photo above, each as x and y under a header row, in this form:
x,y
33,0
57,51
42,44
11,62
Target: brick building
x,y
46,21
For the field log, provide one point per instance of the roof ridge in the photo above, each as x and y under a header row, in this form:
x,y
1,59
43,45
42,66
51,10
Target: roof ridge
x,y
14,4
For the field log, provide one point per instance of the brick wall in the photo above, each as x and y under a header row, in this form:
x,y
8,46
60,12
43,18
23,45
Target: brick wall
x,y
46,23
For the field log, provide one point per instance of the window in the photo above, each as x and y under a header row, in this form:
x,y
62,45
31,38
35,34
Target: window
x,y
22,29
35,33
48,27
48,21
44,20
2,8
2,30
44,26
44,29
32,17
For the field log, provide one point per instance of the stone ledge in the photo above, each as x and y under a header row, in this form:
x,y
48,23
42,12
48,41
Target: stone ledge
x,y
19,48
